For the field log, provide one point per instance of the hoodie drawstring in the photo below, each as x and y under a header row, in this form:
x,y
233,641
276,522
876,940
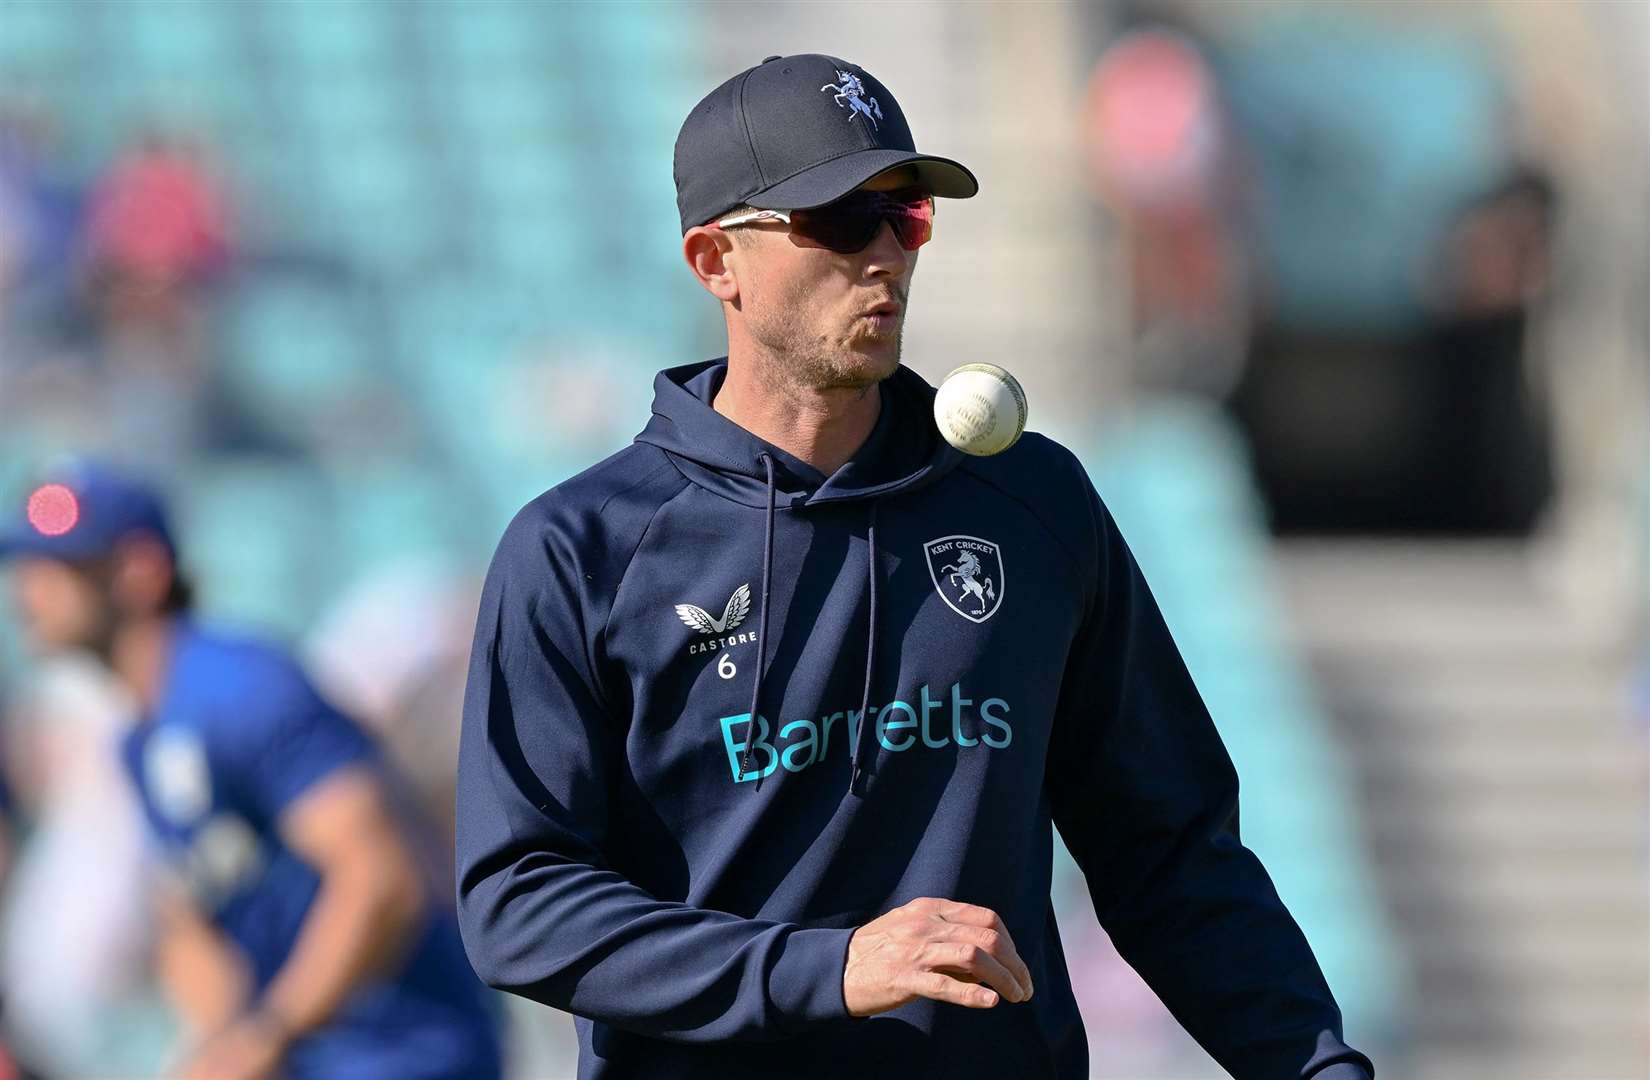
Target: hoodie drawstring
x,y
856,780
761,626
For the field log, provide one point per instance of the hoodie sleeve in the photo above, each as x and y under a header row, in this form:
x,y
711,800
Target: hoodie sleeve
x,y
542,911
1146,799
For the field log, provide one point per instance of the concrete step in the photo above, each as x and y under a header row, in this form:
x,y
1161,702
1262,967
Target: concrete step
x,y
1582,1062
1596,882
1593,756
1607,769
1461,827
1599,693
1528,887
1505,792
1401,742
1619,961
1481,640
1540,1016
1457,604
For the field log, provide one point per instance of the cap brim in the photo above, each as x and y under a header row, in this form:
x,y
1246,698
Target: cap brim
x,y
831,180
23,542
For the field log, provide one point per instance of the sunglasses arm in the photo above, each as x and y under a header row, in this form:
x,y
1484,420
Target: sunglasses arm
x,y
755,215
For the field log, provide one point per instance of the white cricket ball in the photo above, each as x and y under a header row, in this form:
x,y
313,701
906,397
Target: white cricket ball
x,y
980,409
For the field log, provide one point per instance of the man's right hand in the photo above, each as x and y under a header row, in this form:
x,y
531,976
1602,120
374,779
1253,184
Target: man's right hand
x,y
936,949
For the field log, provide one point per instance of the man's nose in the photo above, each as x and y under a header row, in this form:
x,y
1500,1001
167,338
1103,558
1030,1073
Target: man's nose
x,y
884,257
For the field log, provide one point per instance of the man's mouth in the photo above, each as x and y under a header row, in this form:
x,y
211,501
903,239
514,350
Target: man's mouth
x,y
884,317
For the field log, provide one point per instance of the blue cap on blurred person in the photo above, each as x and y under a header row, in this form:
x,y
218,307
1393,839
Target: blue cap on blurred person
x,y
796,132
81,510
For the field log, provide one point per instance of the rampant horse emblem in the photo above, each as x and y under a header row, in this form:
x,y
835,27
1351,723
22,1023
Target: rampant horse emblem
x,y
739,605
852,91
968,574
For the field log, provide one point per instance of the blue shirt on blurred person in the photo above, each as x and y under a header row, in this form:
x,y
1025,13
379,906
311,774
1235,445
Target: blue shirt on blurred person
x,y
298,934
238,735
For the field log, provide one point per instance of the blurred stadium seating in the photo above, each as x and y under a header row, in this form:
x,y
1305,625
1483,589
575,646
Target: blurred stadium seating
x,y
456,274
429,196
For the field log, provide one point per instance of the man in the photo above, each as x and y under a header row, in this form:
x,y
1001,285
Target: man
x,y
751,781
299,936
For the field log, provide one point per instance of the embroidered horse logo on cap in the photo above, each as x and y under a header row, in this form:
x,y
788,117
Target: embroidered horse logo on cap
x,y
852,91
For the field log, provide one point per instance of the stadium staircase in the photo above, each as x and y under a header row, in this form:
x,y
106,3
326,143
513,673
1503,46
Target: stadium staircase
x,y
1506,788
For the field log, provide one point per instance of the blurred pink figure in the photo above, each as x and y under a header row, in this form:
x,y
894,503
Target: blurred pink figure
x,y
158,217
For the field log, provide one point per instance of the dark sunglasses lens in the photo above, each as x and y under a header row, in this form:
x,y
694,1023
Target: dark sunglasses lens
x,y
844,230
849,225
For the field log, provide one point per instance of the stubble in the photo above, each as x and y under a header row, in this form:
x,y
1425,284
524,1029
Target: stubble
x,y
820,358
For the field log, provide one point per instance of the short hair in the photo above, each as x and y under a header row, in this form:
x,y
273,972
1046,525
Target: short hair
x,y
733,234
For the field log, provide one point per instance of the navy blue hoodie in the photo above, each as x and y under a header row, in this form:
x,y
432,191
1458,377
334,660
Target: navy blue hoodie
x,y
632,851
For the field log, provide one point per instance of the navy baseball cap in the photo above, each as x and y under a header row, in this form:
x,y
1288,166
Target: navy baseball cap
x,y
80,511
795,132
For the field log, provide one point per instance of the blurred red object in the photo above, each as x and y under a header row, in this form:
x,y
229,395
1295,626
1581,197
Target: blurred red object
x,y
1153,125
159,216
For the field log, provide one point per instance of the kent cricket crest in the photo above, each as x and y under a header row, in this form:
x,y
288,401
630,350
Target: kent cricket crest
x,y
968,573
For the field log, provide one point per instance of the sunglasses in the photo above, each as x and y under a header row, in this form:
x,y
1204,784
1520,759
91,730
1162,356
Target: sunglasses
x,y
848,225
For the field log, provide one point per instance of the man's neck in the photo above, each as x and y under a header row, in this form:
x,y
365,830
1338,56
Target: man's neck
x,y
138,655
822,427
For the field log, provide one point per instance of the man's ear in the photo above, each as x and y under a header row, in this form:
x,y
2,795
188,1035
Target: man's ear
x,y
710,255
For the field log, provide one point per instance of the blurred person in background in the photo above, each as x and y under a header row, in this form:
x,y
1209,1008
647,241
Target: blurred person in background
x,y
155,245
297,931
1401,241
46,376
698,872
1161,151
157,235
1494,470
107,292
40,214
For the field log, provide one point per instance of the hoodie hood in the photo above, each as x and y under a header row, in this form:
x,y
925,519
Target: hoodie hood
x,y
904,451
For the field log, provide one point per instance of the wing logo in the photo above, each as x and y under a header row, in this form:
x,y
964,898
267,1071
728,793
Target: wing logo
x,y
697,618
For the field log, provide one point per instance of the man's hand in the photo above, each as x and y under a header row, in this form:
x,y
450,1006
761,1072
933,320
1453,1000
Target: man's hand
x,y
250,1048
936,949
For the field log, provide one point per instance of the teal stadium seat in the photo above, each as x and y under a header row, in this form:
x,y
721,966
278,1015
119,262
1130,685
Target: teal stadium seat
x,y
450,336
198,38
334,110
36,41
467,35
250,532
321,40
628,31
291,348
181,61
463,350
397,510
380,204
